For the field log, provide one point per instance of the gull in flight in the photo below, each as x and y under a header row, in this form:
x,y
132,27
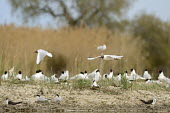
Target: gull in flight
x,y
153,101
41,54
8,102
106,57
162,78
5,76
146,75
102,47
41,99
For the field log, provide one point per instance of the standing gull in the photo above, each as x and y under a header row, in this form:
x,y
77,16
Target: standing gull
x,y
41,99
64,75
162,78
79,76
58,98
146,75
8,102
134,76
92,74
5,76
153,101
97,76
19,75
108,76
54,78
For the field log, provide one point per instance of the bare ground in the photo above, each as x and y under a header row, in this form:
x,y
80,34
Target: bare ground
x,y
105,99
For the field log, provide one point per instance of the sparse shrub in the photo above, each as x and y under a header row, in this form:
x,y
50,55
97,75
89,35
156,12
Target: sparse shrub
x,y
125,83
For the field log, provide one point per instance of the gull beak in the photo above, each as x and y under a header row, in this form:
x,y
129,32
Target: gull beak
x,y
36,52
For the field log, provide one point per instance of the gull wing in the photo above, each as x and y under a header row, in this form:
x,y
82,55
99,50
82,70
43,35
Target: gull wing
x,y
42,99
92,58
41,55
116,57
103,47
109,57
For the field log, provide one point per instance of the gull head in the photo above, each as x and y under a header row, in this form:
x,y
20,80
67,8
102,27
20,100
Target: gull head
x,y
111,70
131,69
101,56
97,71
160,71
19,72
38,71
85,71
35,51
37,96
62,72
94,81
57,95
5,72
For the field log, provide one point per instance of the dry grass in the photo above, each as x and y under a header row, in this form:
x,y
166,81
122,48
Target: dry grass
x,y
105,98
70,47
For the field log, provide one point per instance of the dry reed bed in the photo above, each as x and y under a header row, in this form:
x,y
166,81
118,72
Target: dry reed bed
x,y
70,47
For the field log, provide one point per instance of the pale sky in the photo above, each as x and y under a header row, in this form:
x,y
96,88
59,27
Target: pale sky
x,y
160,8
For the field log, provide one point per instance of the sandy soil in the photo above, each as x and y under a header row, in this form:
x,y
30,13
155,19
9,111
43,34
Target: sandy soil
x,y
105,99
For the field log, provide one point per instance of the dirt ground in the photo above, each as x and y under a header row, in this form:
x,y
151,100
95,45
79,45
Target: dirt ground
x,y
103,100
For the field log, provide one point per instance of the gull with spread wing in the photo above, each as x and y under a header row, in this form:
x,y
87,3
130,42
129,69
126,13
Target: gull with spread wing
x,y
106,57
41,54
